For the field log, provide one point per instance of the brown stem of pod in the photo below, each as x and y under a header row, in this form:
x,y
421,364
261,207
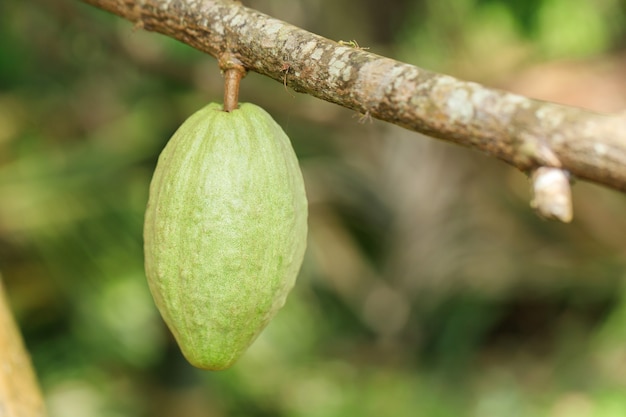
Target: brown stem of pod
x,y
234,71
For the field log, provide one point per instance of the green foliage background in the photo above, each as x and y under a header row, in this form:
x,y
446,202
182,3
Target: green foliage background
x,y
428,289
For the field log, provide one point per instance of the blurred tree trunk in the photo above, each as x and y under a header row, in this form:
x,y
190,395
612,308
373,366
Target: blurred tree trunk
x,y
525,133
385,19
19,392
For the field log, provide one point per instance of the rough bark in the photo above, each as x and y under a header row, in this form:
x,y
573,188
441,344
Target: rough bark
x,y
523,132
19,392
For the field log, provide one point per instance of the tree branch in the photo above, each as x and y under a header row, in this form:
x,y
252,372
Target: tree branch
x,y
523,132
19,392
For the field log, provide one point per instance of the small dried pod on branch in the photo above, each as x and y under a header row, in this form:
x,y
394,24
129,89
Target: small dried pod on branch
x,y
551,194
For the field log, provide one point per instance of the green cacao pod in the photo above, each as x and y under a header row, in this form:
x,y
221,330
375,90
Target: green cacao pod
x,y
225,231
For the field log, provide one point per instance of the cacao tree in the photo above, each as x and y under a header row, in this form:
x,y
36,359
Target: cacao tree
x,y
552,143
